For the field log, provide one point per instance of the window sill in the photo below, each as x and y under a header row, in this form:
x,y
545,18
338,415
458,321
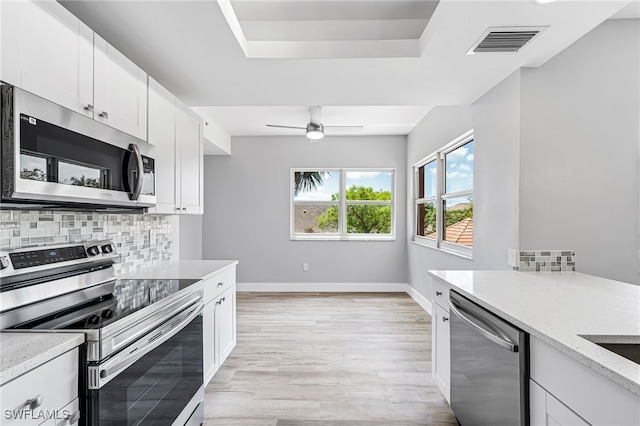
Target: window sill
x,y
444,250
338,238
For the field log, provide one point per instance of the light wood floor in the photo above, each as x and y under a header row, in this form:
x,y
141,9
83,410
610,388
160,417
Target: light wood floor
x,y
321,359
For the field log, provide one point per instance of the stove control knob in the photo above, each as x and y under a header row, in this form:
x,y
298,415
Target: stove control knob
x,y
107,313
93,319
93,250
4,263
108,248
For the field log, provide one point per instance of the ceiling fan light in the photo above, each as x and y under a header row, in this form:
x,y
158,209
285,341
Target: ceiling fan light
x,y
315,131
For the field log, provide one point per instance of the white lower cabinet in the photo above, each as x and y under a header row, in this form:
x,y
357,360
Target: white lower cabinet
x,y
219,321
440,335
546,410
226,324
442,357
209,342
68,416
566,392
45,394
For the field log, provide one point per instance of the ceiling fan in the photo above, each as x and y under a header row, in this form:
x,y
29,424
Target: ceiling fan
x,y
315,128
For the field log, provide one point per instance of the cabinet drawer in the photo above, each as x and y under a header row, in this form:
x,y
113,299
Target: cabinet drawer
x,y
69,415
56,382
219,283
441,293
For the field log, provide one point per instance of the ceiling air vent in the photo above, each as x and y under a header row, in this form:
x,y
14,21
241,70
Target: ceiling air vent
x,y
504,39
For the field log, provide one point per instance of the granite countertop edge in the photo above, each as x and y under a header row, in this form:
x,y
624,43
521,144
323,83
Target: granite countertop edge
x,y
23,352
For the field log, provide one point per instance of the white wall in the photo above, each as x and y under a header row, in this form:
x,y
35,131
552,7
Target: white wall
x,y
495,120
580,147
247,211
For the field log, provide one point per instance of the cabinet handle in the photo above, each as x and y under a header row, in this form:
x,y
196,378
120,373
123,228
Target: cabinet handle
x,y
74,417
438,293
223,299
34,403
104,114
177,208
88,108
445,319
220,284
184,209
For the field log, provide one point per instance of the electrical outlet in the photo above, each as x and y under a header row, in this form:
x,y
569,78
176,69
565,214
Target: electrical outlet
x,y
305,266
512,257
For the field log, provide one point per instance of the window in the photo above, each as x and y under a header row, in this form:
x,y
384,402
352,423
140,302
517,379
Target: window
x,y
342,204
444,197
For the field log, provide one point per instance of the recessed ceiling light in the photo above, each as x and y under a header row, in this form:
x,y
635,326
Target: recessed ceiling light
x,y
544,1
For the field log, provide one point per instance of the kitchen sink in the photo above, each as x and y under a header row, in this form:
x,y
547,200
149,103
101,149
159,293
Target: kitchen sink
x,y
625,346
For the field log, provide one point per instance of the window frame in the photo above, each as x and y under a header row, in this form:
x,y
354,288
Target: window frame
x,y
342,204
440,197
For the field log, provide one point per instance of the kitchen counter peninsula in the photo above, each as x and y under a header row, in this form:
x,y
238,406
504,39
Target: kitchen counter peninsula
x,y
559,308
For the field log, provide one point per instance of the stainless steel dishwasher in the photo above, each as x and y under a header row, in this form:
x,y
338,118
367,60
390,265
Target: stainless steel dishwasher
x,y
489,367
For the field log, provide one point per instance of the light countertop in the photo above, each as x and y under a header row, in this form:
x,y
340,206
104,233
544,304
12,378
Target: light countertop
x,y
22,352
558,308
181,269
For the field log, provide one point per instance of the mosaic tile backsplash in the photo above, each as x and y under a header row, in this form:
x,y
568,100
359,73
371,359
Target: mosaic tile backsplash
x,y
544,260
141,240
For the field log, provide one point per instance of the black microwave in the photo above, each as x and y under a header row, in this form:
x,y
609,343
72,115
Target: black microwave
x,y
51,155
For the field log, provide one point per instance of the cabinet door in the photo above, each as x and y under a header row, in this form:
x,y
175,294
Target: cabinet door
x,y
442,359
189,152
546,410
226,323
162,134
54,383
120,90
209,342
47,51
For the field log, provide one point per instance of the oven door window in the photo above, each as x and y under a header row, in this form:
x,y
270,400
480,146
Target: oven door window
x,y
155,389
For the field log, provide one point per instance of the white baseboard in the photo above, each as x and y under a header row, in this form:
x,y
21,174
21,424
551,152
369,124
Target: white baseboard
x,y
420,299
324,287
337,288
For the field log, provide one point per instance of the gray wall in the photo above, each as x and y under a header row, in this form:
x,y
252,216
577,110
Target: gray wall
x,y
556,167
495,120
247,211
580,147
190,237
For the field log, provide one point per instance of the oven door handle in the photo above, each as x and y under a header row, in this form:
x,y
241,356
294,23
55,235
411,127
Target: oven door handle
x,y
484,332
111,368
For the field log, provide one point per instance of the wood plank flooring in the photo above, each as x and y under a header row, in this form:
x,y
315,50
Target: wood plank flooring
x,y
328,359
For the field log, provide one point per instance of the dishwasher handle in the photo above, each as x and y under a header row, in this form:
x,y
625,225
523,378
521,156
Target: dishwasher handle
x,y
484,332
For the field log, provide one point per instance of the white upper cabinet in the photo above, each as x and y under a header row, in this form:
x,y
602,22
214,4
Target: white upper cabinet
x,y
47,51
120,90
162,134
176,132
189,152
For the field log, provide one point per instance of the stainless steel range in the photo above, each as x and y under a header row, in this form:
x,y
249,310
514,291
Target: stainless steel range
x,y
142,360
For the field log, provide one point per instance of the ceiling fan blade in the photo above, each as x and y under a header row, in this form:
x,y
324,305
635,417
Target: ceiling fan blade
x,y
344,127
286,127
